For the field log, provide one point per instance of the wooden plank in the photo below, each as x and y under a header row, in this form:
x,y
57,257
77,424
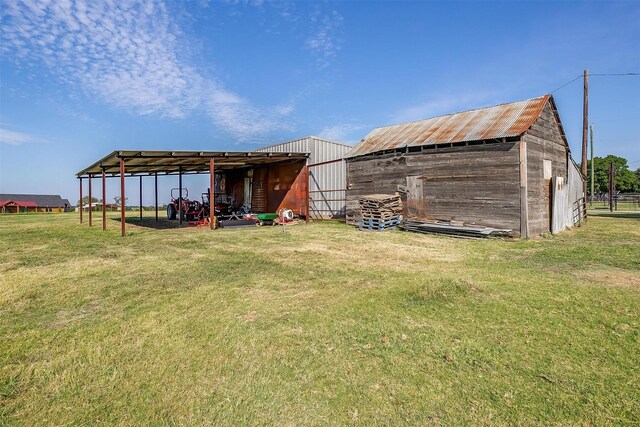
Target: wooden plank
x,y
524,203
479,184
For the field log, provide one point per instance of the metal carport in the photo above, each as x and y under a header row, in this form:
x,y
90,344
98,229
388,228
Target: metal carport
x,y
153,163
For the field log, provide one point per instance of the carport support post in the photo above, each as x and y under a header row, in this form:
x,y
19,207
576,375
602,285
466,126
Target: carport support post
x,y
140,197
104,201
80,204
212,190
155,177
122,224
306,180
90,199
180,196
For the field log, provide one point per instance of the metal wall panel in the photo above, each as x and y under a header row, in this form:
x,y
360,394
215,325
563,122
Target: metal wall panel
x,y
327,182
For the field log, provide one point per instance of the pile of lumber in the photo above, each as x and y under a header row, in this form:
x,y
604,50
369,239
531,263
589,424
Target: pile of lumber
x,y
380,212
453,229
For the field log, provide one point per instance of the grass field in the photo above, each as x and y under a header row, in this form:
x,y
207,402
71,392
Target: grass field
x,y
321,325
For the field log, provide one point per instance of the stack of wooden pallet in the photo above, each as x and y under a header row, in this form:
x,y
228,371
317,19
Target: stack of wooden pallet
x,y
380,212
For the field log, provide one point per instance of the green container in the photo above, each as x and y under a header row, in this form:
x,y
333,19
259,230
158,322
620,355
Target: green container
x,y
267,216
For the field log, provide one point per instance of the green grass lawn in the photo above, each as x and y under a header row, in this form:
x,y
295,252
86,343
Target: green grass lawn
x,y
320,325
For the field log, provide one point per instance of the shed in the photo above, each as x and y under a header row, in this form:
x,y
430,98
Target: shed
x,y
327,174
265,181
498,167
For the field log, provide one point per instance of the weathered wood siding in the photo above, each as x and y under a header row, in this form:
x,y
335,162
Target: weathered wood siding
x,y
544,142
476,184
259,189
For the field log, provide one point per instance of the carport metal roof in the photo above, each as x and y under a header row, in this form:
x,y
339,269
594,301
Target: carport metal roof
x,y
153,163
142,163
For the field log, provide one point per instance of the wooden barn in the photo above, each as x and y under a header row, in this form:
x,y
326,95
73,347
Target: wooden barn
x,y
498,167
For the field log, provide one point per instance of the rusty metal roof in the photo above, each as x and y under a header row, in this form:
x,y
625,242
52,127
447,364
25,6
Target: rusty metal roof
x,y
185,162
500,121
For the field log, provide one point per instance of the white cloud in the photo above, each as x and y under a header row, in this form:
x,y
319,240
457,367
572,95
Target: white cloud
x,y
244,121
325,40
342,133
126,53
17,138
444,104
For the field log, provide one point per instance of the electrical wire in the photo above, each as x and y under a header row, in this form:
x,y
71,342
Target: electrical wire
x,y
614,74
595,74
555,90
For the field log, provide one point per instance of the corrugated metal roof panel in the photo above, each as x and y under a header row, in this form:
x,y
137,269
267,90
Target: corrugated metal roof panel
x,y
500,121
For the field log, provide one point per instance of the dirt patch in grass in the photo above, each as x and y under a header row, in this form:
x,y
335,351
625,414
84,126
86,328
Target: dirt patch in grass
x,y
615,278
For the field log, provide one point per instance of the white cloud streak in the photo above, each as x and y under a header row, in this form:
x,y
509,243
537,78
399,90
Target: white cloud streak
x,y
441,105
126,53
325,41
342,133
17,138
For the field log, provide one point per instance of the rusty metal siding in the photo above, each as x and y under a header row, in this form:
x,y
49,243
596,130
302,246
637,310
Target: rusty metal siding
x,y
327,182
501,121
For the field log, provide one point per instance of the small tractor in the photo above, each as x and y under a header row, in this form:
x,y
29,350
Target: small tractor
x,y
192,210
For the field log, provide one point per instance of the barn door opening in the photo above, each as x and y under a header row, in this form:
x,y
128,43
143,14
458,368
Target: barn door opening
x,y
415,197
547,168
248,181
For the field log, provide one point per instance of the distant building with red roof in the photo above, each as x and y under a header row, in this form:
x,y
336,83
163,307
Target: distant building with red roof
x,y
15,203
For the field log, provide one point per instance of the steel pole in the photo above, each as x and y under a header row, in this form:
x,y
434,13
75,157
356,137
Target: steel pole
x,y
140,197
122,195
306,184
212,189
180,196
90,203
104,200
80,204
156,193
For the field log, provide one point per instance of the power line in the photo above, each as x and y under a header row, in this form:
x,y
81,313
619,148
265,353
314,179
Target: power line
x,y
579,77
614,74
595,74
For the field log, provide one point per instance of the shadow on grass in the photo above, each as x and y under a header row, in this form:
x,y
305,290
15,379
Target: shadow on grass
x,y
622,215
161,224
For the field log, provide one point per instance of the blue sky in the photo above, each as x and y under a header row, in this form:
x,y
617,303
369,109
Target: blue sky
x,y
81,78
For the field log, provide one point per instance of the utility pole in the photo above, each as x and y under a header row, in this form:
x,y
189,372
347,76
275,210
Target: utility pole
x,y
585,121
592,177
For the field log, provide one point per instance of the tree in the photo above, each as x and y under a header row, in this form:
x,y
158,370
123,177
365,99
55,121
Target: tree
x,y
117,199
626,180
85,200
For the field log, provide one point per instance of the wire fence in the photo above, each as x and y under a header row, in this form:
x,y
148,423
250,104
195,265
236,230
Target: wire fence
x,y
621,202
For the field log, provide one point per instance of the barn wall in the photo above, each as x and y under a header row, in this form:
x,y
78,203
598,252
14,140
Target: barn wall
x,y
476,184
327,181
286,187
259,189
544,142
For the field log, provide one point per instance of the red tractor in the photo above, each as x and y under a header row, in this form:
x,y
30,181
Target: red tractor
x,y
192,210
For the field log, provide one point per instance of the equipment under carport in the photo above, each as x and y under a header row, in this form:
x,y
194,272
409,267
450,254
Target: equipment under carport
x,y
267,218
236,223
